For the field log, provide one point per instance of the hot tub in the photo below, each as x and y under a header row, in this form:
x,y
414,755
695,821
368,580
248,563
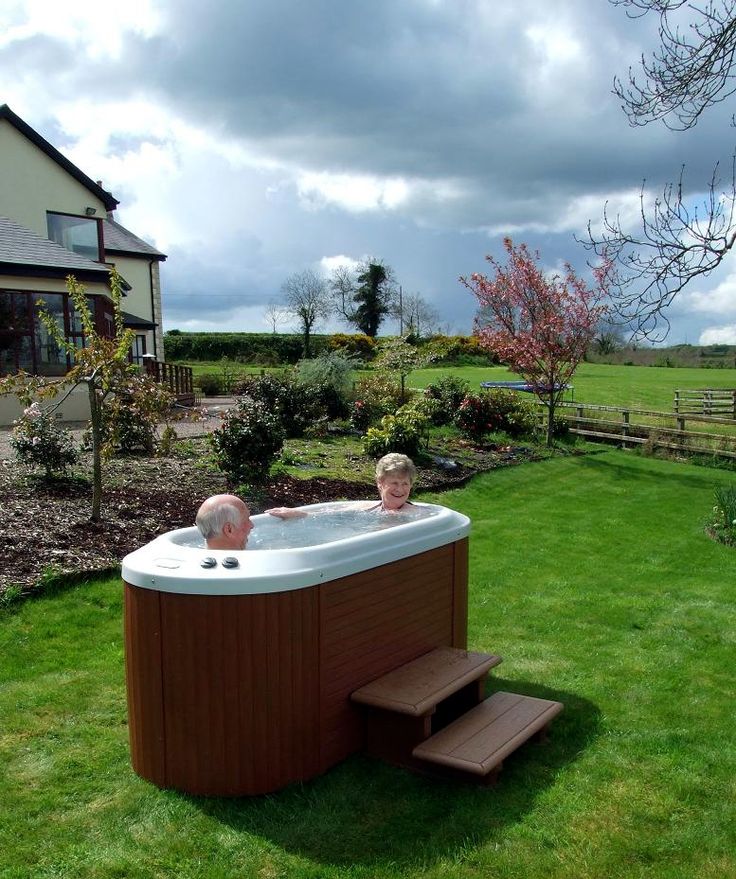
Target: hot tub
x,y
239,677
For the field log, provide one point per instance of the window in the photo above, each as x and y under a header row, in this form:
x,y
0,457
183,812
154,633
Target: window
x,y
24,340
50,358
83,235
16,333
138,349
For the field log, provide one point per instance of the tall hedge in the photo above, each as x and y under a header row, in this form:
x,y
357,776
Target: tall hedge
x,y
276,349
262,348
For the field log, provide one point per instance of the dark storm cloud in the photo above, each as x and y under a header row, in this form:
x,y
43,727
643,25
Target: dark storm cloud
x,y
422,90
498,116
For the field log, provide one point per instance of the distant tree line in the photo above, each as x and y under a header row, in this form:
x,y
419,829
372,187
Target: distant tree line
x,y
361,297
276,349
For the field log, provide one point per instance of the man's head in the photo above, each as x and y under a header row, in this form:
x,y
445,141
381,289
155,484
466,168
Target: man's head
x,y
224,522
395,474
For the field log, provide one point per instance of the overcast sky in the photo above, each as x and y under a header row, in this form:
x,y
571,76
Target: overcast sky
x,y
250,139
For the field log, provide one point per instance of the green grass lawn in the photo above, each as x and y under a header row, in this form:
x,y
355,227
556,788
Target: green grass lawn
x,y
591,575
641,387
215,367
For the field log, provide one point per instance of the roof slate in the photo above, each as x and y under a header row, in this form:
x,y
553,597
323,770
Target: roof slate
x,y
24,247
118,239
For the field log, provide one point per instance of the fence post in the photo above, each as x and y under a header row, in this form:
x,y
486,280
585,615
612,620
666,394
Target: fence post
x,y
624,427
677,401
681,428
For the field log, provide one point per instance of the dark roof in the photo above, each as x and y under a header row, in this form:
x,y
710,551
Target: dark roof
x,y
106,197
24,252
119,240
137,323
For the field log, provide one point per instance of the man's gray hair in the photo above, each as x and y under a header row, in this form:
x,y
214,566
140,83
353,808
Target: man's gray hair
x,y
213,519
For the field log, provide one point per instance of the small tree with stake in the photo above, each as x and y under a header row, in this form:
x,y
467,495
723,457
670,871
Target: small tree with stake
x,y
115,388
540,327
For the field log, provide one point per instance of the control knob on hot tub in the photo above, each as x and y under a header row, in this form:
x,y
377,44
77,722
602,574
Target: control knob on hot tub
x,y
208,562
230,562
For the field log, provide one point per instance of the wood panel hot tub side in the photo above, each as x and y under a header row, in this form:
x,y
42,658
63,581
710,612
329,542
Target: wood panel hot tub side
x,y
235,710
144,684
232,695
375,621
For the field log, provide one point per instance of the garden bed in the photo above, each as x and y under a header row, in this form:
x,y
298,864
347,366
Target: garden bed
x,y
45,527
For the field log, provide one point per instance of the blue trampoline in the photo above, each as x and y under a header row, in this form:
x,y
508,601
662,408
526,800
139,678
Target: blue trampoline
x,y
522,386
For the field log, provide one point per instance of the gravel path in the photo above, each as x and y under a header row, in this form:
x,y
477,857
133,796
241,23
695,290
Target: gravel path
x,y
215,406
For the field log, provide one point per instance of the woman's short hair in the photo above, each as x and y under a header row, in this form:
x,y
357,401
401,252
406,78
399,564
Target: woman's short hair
x,y
395,463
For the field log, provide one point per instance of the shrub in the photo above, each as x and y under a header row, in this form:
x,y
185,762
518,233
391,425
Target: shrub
x,y
432,410
495,410
459,351
210,384
354,344
360,416
723,520
330,376
517,414
295,406
131,430
447,393
380,395
397,433
476,417
38,441
129,420
248,442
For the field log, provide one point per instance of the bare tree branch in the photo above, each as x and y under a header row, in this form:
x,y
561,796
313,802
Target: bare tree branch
x,y
308,300
677,241
675,244
691,70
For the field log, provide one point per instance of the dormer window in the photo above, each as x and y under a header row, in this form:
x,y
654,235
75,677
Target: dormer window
x,y
83,235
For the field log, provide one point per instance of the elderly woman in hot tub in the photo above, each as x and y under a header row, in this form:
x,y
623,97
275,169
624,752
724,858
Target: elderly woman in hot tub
x,y
395,475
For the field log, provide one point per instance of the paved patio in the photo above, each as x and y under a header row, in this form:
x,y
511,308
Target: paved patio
x,y
215,406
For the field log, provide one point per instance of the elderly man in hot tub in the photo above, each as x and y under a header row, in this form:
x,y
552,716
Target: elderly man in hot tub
x,y
395,475
224,522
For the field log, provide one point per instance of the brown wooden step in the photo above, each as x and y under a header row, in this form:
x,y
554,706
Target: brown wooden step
x,y
418,686
480,740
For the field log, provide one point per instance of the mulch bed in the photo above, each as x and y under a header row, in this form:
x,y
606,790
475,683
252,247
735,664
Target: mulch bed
x,y
45,527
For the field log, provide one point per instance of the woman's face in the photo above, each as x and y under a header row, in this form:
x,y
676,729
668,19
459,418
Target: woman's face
x,y
394,490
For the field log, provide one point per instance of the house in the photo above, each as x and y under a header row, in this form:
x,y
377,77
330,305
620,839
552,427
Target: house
x,y
56,221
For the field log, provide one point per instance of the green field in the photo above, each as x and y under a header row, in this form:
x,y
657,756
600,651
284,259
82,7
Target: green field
x,y
592,576
642,387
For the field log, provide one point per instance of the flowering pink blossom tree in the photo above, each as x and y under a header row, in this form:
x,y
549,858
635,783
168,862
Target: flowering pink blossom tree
x,y
539,326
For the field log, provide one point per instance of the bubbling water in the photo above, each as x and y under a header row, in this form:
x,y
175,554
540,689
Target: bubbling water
x,y
323,525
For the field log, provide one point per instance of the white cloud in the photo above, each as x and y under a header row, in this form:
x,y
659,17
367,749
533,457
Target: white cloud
x,y
353,192
97,29
328,264
718,336
245,166
720,300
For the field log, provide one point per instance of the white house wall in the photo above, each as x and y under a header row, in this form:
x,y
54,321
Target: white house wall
x,y
48,285
74,408
31,183
143,276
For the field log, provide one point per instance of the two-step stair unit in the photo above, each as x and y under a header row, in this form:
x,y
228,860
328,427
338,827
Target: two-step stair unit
x,y
430,715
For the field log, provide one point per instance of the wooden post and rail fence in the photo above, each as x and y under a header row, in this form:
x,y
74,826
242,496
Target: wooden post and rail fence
x,y
708,401
628,426
179,379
